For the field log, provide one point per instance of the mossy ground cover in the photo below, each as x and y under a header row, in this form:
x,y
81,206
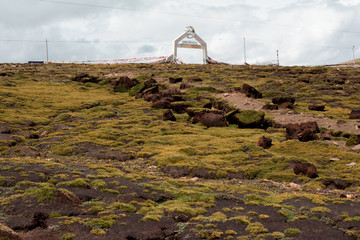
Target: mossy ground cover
x,y
95,161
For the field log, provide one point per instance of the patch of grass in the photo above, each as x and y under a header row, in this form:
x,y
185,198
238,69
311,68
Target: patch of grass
x,y
320,210
123,206
68,236
256,228
292,232
79,182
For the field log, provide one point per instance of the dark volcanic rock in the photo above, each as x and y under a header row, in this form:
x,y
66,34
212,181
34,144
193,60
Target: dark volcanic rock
x,y
355,114
306,169
152,97
280,100
85,78
170,92
315,107
161,104
223,106
195,79
325,135
292,131
311,125
336,183
270,107
5,128
250,91
306,135
175,80
168,115
124,84
185,85
264,142
286,105
179,107
208,118
304,131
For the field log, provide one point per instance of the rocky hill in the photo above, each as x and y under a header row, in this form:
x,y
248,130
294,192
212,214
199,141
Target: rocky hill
x,y
161,151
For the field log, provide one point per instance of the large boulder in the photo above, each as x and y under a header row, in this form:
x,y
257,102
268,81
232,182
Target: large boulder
x,y
169,115
316,107
179,107
85,78
304,131
152,97
195,79
123,84
264,142
249,119
207,117
250,91
222,106
161,104
175,80
170,92
139,89
325,135
185,85
280,100
306,169
311,125
270,107
292,131
307,135
355,114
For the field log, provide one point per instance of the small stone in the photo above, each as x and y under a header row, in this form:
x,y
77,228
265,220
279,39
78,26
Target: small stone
x,y
349,196
226,95
334,159
294,185
194,179
356,148
351,164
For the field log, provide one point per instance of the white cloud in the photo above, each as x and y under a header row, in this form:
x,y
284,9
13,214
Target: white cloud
x,y
305,32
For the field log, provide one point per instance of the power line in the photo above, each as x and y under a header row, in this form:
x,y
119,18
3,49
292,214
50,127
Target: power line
x,y
181,14
78,41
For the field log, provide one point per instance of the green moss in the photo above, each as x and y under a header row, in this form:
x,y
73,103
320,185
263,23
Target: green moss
x,y
292,232
209,234
352,140
98,232
68,236
320,210
256,228
241,219
123,206
42,193
98,184
250,116
79,182
2,180
103,222
215,217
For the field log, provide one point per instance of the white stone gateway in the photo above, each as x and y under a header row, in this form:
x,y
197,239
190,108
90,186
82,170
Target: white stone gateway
x,y
189,39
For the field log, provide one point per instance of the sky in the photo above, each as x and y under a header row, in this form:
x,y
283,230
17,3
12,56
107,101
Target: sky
x,y
304,32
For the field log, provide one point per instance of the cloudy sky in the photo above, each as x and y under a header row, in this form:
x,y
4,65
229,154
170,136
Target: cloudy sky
x,y
305,32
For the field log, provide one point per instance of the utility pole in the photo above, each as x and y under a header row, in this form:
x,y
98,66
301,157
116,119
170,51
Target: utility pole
x,y
244,51
47,52
277,57
354,55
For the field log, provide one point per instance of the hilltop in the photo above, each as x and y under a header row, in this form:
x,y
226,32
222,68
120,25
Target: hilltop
x,y
93,152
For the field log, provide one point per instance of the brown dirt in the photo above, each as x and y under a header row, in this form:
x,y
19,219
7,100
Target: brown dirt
x,y
288,116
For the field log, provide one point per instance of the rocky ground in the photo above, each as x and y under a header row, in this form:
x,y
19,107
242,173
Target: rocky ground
x,y
157,151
